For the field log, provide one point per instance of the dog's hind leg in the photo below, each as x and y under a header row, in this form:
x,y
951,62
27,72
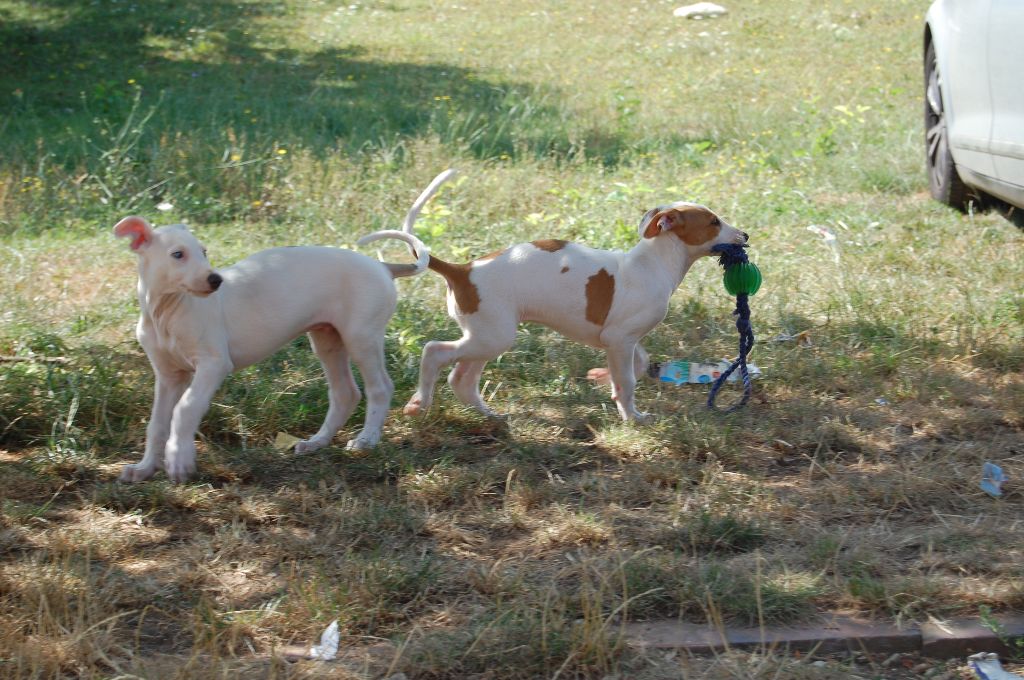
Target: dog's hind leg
x,y
472,347
342,391
436,355
169,388
465,382
641,360
367,351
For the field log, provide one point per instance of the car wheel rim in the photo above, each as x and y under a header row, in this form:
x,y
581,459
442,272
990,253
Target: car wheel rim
x,y
935,136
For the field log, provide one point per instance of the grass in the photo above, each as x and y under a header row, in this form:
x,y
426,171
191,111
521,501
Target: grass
x,y
461,548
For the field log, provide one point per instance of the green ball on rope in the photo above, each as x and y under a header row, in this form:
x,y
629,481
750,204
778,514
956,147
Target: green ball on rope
x,y
742,277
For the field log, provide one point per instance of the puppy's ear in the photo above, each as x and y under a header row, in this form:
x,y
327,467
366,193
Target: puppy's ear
x,y
140,231
654,222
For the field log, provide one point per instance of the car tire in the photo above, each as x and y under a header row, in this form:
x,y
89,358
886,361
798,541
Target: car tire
x,y
943,181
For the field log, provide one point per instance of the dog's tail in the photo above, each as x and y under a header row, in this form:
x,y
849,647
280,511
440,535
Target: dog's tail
x,y
414,211
419,249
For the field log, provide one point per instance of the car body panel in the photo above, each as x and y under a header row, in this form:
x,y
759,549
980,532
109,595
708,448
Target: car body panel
x,y
979,48
1006,73
965,91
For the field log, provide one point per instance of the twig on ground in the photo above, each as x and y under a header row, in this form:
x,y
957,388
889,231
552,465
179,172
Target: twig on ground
x,y
33,360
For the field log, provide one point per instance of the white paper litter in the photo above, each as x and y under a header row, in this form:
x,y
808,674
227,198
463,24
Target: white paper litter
x,y
328,647
829,237
700,10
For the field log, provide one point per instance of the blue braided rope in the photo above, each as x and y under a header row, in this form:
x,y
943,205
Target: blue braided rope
x,y
728,255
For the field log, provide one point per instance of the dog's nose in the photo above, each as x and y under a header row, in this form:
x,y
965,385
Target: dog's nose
x,y
745,237
214,280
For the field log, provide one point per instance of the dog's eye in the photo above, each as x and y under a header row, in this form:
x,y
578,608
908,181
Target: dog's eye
x,y
177,254
716,222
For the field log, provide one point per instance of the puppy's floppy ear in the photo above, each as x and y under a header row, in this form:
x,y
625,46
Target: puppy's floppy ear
x,y
653,222
140,231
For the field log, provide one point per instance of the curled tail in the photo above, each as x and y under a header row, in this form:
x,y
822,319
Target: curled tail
x,y
431,189
419,250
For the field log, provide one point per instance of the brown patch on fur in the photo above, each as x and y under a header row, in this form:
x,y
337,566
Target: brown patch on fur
x,y
490,256
550,244
600,291
565,269
327,332
467,297
693,226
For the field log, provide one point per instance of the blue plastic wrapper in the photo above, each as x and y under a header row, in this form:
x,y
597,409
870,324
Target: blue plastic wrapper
x,y
992,478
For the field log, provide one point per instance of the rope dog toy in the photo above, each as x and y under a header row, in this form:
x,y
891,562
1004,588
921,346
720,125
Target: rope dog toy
x,y
742,278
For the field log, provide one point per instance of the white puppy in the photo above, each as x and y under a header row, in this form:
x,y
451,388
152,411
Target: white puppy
x,y
605,299
197,325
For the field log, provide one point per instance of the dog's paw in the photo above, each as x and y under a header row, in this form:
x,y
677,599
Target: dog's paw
x,y
179,471
413,408
641,418
497,417
601,376
136,472
363,442
310,445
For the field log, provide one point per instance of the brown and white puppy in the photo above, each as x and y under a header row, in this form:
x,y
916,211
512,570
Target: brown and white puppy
x,y
605,299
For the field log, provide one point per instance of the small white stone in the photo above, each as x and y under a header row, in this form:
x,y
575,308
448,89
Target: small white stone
x,y
892,660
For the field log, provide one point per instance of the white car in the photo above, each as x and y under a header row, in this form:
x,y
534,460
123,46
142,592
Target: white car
x,y
974,103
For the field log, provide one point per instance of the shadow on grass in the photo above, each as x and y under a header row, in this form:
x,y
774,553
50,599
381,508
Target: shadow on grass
x,y
210,68
265,543
389,537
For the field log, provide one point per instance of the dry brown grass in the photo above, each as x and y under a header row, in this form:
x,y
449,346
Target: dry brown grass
x,y
492,537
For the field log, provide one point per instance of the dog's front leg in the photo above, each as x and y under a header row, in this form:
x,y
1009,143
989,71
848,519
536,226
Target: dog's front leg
x,y
180,455
169,388
621,366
